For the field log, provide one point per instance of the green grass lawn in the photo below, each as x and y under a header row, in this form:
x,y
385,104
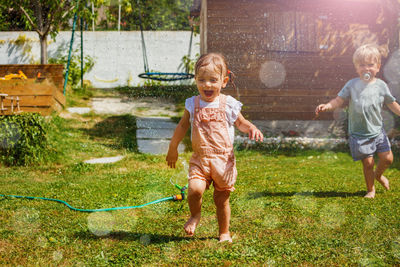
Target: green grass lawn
x,y
303,209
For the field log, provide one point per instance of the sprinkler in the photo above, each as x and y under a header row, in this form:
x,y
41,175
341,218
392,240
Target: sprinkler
x,y
177,197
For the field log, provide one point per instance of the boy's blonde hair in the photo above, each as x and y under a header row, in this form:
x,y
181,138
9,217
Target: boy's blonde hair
x,y
367,52
218,60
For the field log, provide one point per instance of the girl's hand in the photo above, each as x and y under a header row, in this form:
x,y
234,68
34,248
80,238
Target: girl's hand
x,y
256,134
172,157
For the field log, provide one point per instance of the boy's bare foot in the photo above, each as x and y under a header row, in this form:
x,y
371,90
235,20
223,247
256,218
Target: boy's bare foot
x,y
384,182
225,237
370,194
191,224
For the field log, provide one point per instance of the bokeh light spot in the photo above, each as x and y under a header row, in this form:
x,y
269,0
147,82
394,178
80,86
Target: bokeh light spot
x,y
388,120
272,74
371,222
145,240
332,215
395,90
304,201
42,242
271,221
26,221
57,255
270,263
100,223
10,133
396,248
391,70
125,220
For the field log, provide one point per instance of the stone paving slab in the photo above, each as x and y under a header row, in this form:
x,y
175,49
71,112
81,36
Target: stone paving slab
x,y
154,133
79,110
155,123
104,160
156,146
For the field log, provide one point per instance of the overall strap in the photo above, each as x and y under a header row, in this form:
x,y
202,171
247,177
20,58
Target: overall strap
x,y
196,104
222,101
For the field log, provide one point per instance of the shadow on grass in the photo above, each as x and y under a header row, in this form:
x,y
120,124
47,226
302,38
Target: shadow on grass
x,y
130,236
323,194
120,129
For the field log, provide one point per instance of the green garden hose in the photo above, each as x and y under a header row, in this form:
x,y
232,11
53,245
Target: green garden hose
x,y
179,197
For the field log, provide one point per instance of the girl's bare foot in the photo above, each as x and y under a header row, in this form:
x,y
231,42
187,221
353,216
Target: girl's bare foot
x,y
191,224
384,182
225,237
370,194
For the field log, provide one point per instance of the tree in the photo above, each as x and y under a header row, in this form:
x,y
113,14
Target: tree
x,y
155,15
10,19
46,17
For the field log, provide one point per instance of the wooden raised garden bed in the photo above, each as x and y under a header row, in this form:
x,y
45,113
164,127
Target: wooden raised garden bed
x,y
41,91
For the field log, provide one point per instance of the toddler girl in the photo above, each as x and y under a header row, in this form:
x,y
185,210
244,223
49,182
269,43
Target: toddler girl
x,y
212,117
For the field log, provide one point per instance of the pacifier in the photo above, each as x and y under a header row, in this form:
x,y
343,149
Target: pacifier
x,y
367,76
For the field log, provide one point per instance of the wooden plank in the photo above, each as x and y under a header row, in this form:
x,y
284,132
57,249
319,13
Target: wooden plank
x,y
270,100
34,95
278,92
279,107
53,72
26,87
45,111
287,116
59,97
306,34
31,101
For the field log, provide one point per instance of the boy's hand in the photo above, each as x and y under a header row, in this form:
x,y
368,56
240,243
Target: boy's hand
x,y
256,134
172,157
321,108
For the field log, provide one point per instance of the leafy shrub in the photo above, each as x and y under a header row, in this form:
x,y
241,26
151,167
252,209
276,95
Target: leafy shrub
x,y
74,72
23,139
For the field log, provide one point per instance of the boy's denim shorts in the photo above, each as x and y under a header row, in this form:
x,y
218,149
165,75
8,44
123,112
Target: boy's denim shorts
x,y
361,148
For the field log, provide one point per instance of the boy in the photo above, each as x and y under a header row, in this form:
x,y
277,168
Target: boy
x,y
366,95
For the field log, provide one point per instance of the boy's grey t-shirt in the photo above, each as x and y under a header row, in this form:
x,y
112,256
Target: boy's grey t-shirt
x,y
365,105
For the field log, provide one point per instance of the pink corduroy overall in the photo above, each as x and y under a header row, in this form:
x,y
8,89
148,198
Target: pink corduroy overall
x,y
213,159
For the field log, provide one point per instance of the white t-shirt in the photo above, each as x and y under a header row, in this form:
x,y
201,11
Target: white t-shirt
x,y
232,109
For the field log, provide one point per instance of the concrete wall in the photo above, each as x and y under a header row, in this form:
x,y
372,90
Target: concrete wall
x,y
117,55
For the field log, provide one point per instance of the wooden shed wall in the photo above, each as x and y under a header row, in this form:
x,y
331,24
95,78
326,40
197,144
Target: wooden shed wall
x,y
290,55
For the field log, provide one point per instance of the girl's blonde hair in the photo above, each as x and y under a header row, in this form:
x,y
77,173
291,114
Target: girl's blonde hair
x,y
368,52
218,60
